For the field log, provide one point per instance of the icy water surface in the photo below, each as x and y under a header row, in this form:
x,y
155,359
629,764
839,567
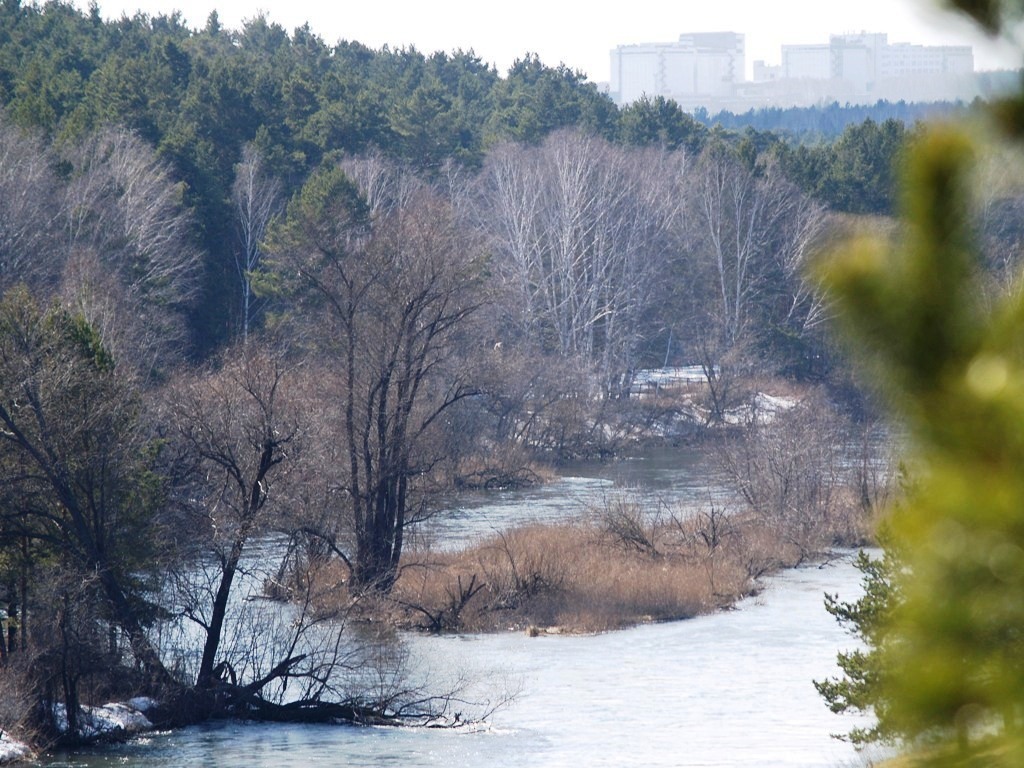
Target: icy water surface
x,y
732,689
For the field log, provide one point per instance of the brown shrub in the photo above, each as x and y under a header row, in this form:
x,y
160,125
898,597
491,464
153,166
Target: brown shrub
x,y
614,567
18,703
573,576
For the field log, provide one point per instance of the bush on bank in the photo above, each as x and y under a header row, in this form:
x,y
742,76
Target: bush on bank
x,y
613,567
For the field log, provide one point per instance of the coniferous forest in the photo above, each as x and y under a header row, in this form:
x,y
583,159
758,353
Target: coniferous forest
x,y
197,99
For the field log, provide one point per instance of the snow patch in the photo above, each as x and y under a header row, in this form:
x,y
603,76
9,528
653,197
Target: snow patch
x,y
143,704
647,381
762,409
111,721
11,750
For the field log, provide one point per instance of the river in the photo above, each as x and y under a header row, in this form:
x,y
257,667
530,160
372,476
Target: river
x,y
731,689
663,482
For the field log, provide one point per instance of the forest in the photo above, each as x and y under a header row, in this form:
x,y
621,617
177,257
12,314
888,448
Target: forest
x,y
261,293
197,98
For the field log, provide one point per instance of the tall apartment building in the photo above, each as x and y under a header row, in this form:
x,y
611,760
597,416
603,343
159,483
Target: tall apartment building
x,y
868,57
699,66
708,70
865,66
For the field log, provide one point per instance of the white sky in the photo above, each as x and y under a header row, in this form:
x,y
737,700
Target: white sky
x,y
581,33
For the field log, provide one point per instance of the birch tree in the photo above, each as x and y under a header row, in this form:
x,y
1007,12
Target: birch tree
x,y
581,229
737,219
132,267
747,239
28,211
256,196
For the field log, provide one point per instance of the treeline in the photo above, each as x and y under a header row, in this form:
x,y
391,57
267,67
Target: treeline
x,y
823,123
197,97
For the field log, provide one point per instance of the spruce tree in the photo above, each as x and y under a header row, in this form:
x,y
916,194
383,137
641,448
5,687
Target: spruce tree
x,y
944,669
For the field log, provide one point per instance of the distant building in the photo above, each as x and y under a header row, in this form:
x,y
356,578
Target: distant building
x,y
708,70
866,65
805,62
700,66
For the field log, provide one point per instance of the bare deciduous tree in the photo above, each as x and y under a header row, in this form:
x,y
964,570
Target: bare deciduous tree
x,y
736,224
581,229
28,209
386,277
256,196
132,266
747,241
238,426
791,471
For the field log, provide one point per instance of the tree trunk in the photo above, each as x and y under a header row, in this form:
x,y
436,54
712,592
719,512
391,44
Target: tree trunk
x,y
213,633
126,618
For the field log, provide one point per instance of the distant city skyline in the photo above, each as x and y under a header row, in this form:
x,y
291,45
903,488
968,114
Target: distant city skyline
x,y
707,70
580,36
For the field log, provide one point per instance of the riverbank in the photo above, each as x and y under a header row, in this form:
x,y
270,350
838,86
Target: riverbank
x,y
702,692
637,556
801,484
12,751
611,568
107,723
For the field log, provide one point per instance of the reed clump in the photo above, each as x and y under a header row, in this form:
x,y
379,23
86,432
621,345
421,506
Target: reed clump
x,y
613,567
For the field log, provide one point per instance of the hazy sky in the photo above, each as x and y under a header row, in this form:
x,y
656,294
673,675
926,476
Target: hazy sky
x,y
581,34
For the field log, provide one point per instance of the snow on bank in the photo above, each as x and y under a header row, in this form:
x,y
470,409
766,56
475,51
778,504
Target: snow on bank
x,y
647,381
12,751
111,721
762,409
688,385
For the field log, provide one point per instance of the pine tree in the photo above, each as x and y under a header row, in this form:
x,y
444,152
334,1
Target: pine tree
x,y
945,670
861,688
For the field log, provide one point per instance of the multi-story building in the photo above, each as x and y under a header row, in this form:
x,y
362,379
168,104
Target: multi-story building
x,y
805,62
866,67
708,70
698,66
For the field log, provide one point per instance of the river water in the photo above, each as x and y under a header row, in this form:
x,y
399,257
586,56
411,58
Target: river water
x,y
665,482
731,689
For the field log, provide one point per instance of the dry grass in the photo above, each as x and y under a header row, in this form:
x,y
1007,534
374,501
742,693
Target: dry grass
x,y
613,568
575,577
